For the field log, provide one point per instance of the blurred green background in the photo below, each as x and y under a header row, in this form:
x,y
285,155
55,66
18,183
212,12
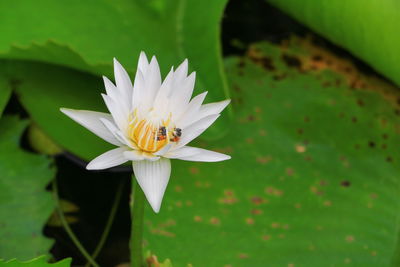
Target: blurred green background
x,y
313,131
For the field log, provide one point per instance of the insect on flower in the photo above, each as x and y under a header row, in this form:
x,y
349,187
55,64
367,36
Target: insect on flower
x,y
151,122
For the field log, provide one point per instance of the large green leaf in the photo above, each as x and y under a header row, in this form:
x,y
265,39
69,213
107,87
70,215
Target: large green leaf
x,y
37,262
25,205
314,175
369,29
86,35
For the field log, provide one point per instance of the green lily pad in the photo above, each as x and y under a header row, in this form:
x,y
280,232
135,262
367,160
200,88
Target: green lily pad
x,y
25,205
37,262
368,29
314,174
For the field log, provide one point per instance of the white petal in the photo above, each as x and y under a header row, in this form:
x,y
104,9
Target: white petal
x,y
136,155
143,63
153,84
153,177
133,155
116,96
162,98
116,132
91,121
138,89
191,111
118,114
123,82
196,154
195,129
163,150
181,95
109,159
213,108
181,71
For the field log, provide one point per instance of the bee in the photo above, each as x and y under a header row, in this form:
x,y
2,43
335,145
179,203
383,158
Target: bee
x,y
176,134
162,134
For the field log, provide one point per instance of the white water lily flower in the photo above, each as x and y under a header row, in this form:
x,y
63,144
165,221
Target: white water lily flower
x,y
151,122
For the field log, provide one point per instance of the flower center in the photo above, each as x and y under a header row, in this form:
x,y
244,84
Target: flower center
x,y
151,135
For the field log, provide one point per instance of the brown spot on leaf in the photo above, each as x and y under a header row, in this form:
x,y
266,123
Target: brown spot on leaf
x,y
256,211
300,148
266,237
345,183
243,255
300,131
371,144
249,221
292,61
215,221
256,200
178,188
349,238
275,225
270,190
249,140
263,159
194,170
289,171
262,132
228,198
197,218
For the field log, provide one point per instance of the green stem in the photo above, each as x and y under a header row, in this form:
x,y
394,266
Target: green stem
x,y
137,212
109,223
68,229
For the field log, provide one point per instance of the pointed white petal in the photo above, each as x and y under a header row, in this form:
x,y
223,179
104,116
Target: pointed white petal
x,y
213,108
111,89
138,88
181,71
181,95
153,177
109,159
195,129
118,114
162,98
153,84
91,121
190,113
113,92
143,63
197,154
123,82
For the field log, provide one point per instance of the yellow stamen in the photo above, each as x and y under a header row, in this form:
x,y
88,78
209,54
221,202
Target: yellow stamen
x,y
151,137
